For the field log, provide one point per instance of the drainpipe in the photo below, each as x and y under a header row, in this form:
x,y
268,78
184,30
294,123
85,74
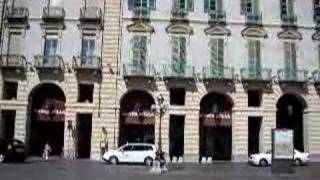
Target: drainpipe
x,y
2,24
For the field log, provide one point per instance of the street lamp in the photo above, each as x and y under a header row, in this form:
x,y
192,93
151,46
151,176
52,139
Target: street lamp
x,y
159,164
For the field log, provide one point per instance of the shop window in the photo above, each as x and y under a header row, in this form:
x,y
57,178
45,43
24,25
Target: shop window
x,y
254,98
10,90
177,96
85,93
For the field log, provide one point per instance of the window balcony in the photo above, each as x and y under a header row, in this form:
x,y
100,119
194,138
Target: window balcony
x,y
53,13
217,16
49,62
316,76
92,63
16,13
217,73
254,18
289,20
90,14
178,71
135,70
293,75
13,61
141,12
179,13
262,74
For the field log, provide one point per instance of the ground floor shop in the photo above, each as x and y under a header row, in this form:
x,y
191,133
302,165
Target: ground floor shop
x,y
212,123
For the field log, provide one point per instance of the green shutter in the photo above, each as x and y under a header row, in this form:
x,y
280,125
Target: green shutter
x,y
283,6
152,5
293,57
256,6
206,6
190,5
287,57
143,52
258,58
249,6
252,64
134,54
219,5
243,7
290,8
131,4
216,59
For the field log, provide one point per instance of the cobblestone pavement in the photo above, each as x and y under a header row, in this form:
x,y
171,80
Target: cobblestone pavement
x,y
89,170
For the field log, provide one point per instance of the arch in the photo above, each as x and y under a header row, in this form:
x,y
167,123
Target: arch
x,y
254,32
290,34
215,126
217,30
179,28
140,27
46,117
136,117
290,111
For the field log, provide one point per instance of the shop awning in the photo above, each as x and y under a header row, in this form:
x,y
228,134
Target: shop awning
x,y
220,119
141,118
51,110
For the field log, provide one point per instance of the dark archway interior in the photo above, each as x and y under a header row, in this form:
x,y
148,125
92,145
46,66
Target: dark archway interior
x,y
290,116
135,101
47,127
215,141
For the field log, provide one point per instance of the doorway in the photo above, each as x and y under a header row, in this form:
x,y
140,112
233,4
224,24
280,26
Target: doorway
x,y
254,127
8,124
84,127
176,136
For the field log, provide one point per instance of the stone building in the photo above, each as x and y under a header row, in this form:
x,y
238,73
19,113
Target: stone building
x,y
229,72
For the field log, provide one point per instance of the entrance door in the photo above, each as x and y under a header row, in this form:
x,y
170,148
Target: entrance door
x,y
7,124
84,126
254,126
176,136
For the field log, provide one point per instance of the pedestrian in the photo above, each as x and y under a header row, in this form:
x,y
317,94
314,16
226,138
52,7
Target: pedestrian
x,y
103,141
46,151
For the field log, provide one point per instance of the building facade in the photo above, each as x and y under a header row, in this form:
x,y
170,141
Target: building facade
x,y
228,71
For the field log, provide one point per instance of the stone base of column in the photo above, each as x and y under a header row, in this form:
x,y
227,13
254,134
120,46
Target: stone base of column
x,y
240,158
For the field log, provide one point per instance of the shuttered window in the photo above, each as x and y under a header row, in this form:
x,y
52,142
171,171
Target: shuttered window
x,y
14,43
254,58
179,54
139,51
290,59
212,5
151,4
250,6
50,46
184,4
88,49
217,55
287,7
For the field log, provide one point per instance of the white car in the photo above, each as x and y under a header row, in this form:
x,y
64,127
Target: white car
x,y
265,159
132,153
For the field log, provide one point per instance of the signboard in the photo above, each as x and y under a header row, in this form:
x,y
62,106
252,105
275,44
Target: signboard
x,y
283,144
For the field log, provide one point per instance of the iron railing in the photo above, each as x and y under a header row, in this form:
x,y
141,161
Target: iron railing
x,y
316,76
293,75
179,70
217,73
91,13
13,61
17,13
217,16
57,13
49,62
138,70
261,74
87,63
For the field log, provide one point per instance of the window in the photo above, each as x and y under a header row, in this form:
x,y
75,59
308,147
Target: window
x,y
177,96
50,49
139,50
213,5
85,93
14,43
127,148
9,90
183,4
254,58
217,53
316,10
88,49
290,59
254,98
287,8
133,4
250,7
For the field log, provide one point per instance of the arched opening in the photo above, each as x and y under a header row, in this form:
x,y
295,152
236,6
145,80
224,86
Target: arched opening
x,y
136,118
290,116
46,113
216,127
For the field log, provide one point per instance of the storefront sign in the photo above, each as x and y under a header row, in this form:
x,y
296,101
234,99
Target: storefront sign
x,y
217,119
282,144
141,118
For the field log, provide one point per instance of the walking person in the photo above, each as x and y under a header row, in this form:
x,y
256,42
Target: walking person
x,y
103,141
46,151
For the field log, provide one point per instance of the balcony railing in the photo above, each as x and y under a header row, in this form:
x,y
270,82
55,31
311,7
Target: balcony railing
x,y
217,73
293,75
254,18
49,62
87,63
178,71
141,12
289,20
53,13
13,61
90,14
138,70
316,76
179,13
217,16
17,13
262,74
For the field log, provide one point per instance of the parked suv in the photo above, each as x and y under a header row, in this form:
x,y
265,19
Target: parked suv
x,y
13,150
132,153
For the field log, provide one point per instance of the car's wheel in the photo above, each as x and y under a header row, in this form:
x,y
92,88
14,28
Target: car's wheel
x,y
297,162
1,158
263,163
148,161
113,160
